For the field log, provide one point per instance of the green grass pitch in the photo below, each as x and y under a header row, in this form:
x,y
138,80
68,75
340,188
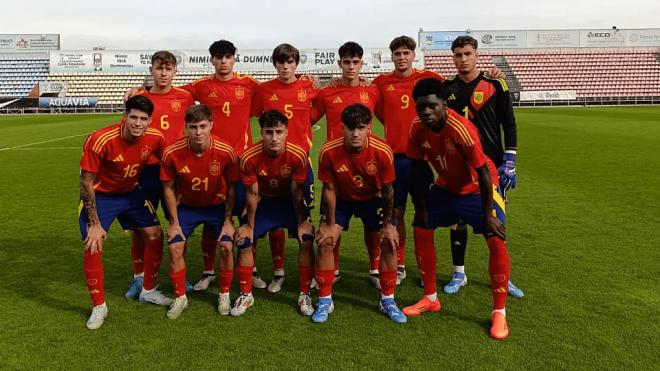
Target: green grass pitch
x,y
583,228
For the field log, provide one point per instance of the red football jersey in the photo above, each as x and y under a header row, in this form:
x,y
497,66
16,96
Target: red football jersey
x,y
200,180
274,174
332,100
398,107
357,176
231,103
116,162
455,152
295,101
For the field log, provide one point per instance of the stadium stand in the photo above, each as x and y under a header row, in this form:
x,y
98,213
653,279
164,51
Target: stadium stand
x,y
19,73
590,73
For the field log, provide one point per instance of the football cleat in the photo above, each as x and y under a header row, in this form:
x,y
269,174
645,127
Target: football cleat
x,y
499,329
189,288
257,281
305,305
99,313
242,304
224,304
374,279
337,278
134,288
515,291
400,274
276,284
424,305
178,305
155,297
324,307
204,281
458,280
388,307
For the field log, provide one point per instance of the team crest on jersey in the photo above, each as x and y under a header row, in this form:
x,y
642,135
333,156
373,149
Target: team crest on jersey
x,y
273,183
285,171
214,168
449,146
364,97
372,168
302,95
239,92
478,97
146,151
176,105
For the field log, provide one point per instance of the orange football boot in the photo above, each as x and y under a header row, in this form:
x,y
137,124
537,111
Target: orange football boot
x,y
424,305
499,330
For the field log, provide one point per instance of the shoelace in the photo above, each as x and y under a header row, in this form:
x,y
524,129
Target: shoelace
x,y
307,301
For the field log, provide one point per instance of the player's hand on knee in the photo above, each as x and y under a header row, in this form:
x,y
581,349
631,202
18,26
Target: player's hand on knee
x,y
305,230
390,235
175,230
227,230
494,226
244,234
95,237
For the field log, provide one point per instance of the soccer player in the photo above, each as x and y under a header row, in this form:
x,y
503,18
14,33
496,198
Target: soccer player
x,y
113,158
274,172
198,174
486,102
170,105
357,171
452,146
292,96
397,112
331,102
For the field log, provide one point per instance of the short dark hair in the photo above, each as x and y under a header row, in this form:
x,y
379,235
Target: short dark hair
x,y
163,57
221,48
140,103
198,113
272,118
284,52
351,49
403,41
430,86
355,115
462,41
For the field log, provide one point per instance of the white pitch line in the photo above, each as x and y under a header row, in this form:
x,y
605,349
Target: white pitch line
x,y
42,142
316,127
38,148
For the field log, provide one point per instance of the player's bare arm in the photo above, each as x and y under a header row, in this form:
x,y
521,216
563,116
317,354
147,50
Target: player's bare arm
x,y
246,231
388,232
228,226
491,222
304,226
95,232
328,228
169,196
421,218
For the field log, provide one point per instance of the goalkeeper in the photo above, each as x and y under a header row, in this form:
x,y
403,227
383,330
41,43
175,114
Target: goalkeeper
x,y
487,103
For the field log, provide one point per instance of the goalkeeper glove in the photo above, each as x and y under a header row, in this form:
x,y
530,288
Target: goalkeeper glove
x,y
507,171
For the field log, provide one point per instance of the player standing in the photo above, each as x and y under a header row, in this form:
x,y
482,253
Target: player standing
x,y
486,102
112,160
292,96
452,146
170,105
357,171
198,174
274,173
331,102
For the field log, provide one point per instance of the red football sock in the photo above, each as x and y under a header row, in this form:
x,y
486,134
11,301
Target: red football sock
x,y
499,268
335,252
245,279
373,248
325,278
425,254
401,254
224,281
137,253
209,247
305,278
387,282
93,269
276,239
178,280
153,255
